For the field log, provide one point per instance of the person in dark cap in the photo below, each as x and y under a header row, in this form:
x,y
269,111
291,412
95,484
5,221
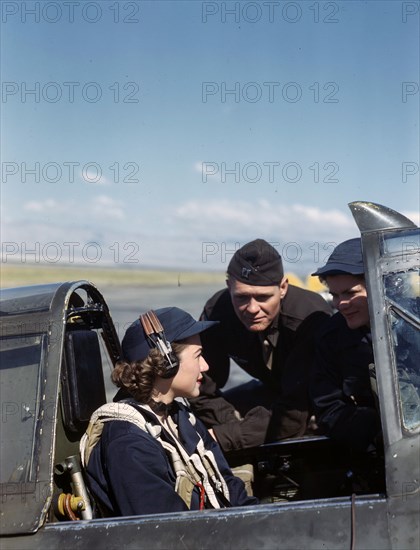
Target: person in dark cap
x,y
147,453
266,326
342,380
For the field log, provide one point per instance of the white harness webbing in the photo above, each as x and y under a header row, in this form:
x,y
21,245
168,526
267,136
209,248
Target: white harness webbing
x,y
200,468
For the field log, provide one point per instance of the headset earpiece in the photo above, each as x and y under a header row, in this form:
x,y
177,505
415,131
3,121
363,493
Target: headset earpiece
x,y
156,335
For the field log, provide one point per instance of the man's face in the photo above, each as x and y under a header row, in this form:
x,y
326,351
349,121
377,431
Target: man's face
x,y
256,306
350,298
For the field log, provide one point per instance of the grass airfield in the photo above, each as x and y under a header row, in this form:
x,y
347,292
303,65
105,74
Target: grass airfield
x,y
21,275
33,274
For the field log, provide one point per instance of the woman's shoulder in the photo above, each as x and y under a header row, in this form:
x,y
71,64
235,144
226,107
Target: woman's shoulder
x,y
116,429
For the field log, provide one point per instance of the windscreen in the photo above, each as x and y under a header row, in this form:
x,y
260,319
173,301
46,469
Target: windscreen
x,y
403,305
20,364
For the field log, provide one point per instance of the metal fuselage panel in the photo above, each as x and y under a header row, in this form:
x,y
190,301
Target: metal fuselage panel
x,y
310,525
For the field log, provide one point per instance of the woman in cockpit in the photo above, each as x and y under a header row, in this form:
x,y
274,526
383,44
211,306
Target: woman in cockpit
x,y
146,452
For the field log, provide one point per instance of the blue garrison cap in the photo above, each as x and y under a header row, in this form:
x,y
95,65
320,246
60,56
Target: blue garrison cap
x,y
346,258
177,324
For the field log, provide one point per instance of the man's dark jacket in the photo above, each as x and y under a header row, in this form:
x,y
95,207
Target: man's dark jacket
x,y
301,313
341,387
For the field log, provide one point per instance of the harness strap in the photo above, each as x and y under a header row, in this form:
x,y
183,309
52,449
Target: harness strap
x,y
200,467
108,413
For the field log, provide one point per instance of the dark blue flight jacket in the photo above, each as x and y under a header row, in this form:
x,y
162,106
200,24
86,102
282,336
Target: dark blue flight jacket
x,y
341,386
129,472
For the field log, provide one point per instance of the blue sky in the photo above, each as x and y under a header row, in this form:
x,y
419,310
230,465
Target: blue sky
x,y
164,133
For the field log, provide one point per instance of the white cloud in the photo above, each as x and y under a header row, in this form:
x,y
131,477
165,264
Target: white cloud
x,y
303,235
41,206
102,208
198,166
106,208
243,218
192,235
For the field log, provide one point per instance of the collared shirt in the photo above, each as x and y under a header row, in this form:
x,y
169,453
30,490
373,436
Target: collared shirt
x,y
269,339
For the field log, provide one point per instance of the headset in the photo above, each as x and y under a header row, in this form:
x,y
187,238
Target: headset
x,y
156,335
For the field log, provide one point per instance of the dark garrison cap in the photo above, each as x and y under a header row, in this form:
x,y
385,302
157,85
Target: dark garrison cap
x,y
346,258
257,263
177,324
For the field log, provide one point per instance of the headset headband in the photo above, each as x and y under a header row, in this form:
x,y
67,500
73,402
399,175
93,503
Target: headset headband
x,y
156,334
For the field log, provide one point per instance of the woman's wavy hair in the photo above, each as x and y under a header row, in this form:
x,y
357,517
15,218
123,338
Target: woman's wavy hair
x,y
139,377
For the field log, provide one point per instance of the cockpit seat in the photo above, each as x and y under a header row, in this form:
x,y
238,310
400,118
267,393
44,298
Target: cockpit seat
x,y
83,388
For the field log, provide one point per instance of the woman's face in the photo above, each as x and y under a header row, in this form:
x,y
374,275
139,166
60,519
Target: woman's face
x,y
187,381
